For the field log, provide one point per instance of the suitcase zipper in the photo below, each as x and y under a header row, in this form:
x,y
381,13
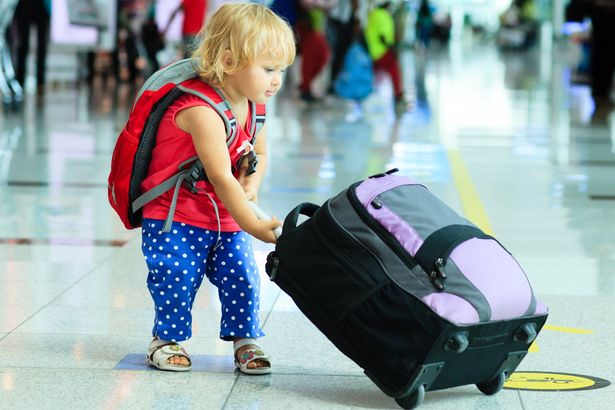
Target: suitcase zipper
x,y
382,233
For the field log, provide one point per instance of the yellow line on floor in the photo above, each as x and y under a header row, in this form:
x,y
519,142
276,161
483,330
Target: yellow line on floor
x,y
569,330
473,208
471,204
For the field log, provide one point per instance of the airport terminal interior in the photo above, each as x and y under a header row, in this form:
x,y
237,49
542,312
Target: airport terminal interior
x,y
506,137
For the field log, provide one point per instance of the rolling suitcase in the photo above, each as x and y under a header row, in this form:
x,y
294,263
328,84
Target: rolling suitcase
x,y
419,297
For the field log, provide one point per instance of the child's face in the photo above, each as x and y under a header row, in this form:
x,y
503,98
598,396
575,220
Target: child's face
x,y
259,81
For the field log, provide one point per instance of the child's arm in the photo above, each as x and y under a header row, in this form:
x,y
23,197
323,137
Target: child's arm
x,y
209,137
251,183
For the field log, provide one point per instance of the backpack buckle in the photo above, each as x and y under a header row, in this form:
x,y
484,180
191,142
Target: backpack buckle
x,y
195,173
252,163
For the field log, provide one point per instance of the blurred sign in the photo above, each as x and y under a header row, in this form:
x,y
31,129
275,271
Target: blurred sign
x,y
85,23
86,13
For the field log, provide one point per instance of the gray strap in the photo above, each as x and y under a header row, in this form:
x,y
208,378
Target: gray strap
x,y
253,126
158,190
176,73
175,181
169,221
189,160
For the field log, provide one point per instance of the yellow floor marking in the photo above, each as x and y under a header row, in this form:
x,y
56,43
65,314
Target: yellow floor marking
x,y
553,381
533,348
568,330
473,208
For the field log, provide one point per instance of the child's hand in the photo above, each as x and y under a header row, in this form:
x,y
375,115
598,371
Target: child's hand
x,y
264,230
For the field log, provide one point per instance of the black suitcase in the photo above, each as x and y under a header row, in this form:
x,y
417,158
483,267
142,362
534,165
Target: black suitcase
x,y
351,277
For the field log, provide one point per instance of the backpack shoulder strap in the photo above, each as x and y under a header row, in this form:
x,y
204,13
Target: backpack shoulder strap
x,y
214,98
258,119
175,73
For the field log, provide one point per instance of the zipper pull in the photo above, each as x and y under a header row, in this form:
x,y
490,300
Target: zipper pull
x,y
377,203
438,275
271,267
384,174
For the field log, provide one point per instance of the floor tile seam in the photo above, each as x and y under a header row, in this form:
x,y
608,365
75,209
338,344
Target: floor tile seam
x,y
106,335
104,369
60,368
277,297
230,393
62,293
520,399
64,242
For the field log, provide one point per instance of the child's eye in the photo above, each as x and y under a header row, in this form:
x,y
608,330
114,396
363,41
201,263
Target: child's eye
x,y
269,69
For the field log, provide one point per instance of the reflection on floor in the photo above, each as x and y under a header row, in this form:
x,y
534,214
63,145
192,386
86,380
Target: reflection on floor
x,y
502,138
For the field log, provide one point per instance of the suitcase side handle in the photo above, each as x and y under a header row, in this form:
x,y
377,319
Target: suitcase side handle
x,y
306,208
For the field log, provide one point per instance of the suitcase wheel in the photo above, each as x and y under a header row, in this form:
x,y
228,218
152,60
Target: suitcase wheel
x,y
493,386
412,400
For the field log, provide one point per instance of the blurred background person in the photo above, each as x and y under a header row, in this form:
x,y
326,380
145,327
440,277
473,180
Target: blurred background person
x,y
518,25
341,25
152,38
424,25
313,46
194,16
127,59
602,44
287,9
32,13
380,39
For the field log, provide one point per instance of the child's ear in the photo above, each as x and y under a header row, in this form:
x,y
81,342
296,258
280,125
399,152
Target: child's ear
x,y
227,59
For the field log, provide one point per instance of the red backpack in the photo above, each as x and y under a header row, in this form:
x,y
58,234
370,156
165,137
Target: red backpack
x,y
133,149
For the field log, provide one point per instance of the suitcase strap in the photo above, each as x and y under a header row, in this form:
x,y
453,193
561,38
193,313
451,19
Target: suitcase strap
x,y
434,252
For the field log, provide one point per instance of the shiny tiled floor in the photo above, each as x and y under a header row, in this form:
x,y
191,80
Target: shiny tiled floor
x,y
503,138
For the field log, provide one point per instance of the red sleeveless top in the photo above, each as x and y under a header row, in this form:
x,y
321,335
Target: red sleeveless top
x,y
173,146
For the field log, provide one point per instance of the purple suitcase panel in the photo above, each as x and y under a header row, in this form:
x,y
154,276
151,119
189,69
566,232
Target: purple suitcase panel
x,y
452,308
484,263
496,274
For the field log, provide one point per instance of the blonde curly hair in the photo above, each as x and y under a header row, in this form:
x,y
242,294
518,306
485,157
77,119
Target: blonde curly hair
x,y
250,32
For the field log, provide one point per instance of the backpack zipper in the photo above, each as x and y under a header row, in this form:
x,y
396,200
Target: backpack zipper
x,y
380,231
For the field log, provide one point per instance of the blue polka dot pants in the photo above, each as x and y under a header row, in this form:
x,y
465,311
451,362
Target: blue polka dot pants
x,y
179,260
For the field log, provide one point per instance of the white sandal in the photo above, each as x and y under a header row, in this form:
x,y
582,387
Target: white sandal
x,y
160,351
249,355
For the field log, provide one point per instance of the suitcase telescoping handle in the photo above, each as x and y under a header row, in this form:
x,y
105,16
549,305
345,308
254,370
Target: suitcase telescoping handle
x,y
262,215
305,208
